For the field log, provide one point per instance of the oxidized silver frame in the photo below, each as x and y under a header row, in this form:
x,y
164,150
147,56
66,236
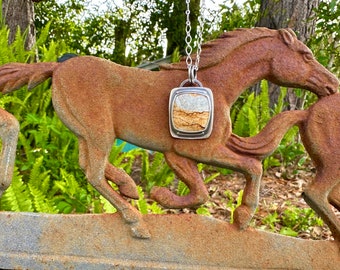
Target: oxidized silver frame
x,y
186,97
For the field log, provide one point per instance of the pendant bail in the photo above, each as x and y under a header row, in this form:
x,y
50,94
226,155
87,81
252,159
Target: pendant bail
x,y
192,73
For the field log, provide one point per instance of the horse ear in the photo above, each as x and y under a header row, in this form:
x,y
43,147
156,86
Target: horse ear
x,y
287,35
290,30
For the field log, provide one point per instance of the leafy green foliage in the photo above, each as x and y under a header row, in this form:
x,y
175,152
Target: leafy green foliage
x,y
182,188
155,172
326,41
146,207
237,16
233,204
127,34
292,221
251,113
17,196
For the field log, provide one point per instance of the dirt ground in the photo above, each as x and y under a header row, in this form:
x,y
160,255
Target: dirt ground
x,y
281,190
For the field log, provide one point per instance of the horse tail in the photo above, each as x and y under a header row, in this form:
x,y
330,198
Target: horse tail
x,y
15,75
265,142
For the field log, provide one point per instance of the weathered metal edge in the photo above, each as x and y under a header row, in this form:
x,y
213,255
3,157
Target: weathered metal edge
x,y
37,262
43,241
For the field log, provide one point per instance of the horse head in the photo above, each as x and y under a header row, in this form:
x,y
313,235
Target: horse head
x,y
295,66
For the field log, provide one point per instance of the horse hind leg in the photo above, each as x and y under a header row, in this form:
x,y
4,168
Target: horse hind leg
x,y
95,161
319,195
9,131
186,170
126,185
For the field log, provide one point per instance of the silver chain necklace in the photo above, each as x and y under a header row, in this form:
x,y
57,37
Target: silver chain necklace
x,y
191,108
193,67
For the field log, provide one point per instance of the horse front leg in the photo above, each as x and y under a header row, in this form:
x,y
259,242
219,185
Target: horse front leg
x,y
94,162
9,132
186,170
221,156
224,157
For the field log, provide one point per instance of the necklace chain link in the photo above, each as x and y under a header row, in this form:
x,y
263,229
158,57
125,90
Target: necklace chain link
x,y
193,67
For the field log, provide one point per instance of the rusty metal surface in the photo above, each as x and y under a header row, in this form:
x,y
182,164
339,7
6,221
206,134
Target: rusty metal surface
x,y
43,241
100,101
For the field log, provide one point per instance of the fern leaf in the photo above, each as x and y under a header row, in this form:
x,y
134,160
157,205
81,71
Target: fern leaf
x,y
36,171
107,206
17,197
264,104
280,104
253,124
141,202
241,123
182,189
45,183
40,201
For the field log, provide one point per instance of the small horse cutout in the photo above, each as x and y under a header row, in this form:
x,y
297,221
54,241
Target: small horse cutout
x,y
100,101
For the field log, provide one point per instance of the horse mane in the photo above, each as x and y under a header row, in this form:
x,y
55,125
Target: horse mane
x,y
213,52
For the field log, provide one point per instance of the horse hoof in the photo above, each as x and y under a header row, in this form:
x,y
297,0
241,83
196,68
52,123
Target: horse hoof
x,y
129,190
242,217
131,216
160,195
170,200
140,231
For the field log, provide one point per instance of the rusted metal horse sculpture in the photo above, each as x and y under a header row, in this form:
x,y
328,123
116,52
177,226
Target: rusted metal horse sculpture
x,y
100,101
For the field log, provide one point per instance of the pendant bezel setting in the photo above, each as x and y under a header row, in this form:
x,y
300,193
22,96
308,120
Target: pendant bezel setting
x,y
184,104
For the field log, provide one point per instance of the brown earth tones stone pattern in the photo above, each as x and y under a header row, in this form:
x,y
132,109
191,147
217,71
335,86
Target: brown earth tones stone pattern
x,y
190,120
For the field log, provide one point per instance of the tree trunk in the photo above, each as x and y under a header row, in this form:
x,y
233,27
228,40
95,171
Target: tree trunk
x,y
20,14
295,14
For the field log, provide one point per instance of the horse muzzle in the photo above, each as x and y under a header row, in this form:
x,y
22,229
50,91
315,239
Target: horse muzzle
x,y
323,83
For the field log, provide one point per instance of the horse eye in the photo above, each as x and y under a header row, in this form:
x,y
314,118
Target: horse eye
x,y
308,57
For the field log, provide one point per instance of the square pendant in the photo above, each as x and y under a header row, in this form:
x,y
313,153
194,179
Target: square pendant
x,y
191,112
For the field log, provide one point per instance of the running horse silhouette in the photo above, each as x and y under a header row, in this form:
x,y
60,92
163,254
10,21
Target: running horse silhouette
x,y
100,101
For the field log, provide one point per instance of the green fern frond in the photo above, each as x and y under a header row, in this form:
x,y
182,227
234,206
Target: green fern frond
x,y
107,206
264,106
253,123
10,100
38,178
36,170
17,197
45,182
26,146
182,189
68,183
44,34
157,172
142,205
40,201
241,123
280,104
